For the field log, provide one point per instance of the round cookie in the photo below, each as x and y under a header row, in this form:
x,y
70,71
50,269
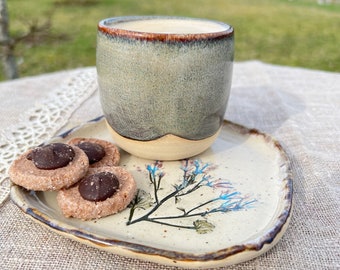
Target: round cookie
x,y
111,153
73,204
24,171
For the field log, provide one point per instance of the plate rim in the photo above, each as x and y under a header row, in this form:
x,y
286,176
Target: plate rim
x,y
175,258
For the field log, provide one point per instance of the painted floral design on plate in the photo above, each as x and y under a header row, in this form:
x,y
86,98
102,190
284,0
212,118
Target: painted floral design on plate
x,y
195,177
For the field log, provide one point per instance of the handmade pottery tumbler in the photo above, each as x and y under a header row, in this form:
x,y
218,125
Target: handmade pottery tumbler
x,y
164,83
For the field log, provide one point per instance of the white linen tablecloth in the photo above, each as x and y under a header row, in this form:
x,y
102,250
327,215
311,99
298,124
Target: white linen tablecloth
x,y
299,107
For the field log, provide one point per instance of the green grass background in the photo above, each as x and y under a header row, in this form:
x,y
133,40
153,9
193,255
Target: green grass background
x,y
294,33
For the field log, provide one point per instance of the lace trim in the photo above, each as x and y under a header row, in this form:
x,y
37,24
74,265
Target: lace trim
x,y
43,121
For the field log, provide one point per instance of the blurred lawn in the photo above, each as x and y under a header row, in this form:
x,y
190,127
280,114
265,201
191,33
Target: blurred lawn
x,y
295,33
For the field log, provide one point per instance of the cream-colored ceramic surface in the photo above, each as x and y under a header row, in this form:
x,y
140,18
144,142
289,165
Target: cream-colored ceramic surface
x,y
168,147
172,26
245,170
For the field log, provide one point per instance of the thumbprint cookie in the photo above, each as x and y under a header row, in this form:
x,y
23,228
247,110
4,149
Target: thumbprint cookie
x,y
49,167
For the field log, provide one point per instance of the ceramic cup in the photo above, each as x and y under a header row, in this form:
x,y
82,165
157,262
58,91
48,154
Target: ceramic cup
x,y
164,83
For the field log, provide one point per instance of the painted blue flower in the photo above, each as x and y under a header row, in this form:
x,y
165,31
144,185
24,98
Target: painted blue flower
x,y
228,196
152,169
198,168
232,202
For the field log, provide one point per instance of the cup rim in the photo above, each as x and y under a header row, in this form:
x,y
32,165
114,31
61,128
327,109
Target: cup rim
x,y
164,37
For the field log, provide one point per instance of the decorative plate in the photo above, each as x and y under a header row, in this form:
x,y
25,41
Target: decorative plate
x,y
227,205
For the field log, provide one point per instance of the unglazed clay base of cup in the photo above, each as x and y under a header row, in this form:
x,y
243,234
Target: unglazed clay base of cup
x,y
168,147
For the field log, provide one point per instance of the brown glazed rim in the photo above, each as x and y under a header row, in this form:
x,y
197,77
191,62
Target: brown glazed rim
x,y
103,26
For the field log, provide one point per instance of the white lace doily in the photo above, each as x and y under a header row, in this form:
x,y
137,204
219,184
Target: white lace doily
x,y
43,121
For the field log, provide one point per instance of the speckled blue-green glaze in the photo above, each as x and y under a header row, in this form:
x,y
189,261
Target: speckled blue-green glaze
x,y
151,87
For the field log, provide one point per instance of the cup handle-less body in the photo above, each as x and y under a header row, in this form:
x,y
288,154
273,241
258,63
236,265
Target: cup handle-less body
x,y
158,86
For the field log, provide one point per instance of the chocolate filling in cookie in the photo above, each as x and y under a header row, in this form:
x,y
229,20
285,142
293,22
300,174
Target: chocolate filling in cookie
x,y
51,156
99,152
94,151
99,186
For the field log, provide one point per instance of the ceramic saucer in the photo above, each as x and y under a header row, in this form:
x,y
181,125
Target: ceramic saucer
x,y
227,205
